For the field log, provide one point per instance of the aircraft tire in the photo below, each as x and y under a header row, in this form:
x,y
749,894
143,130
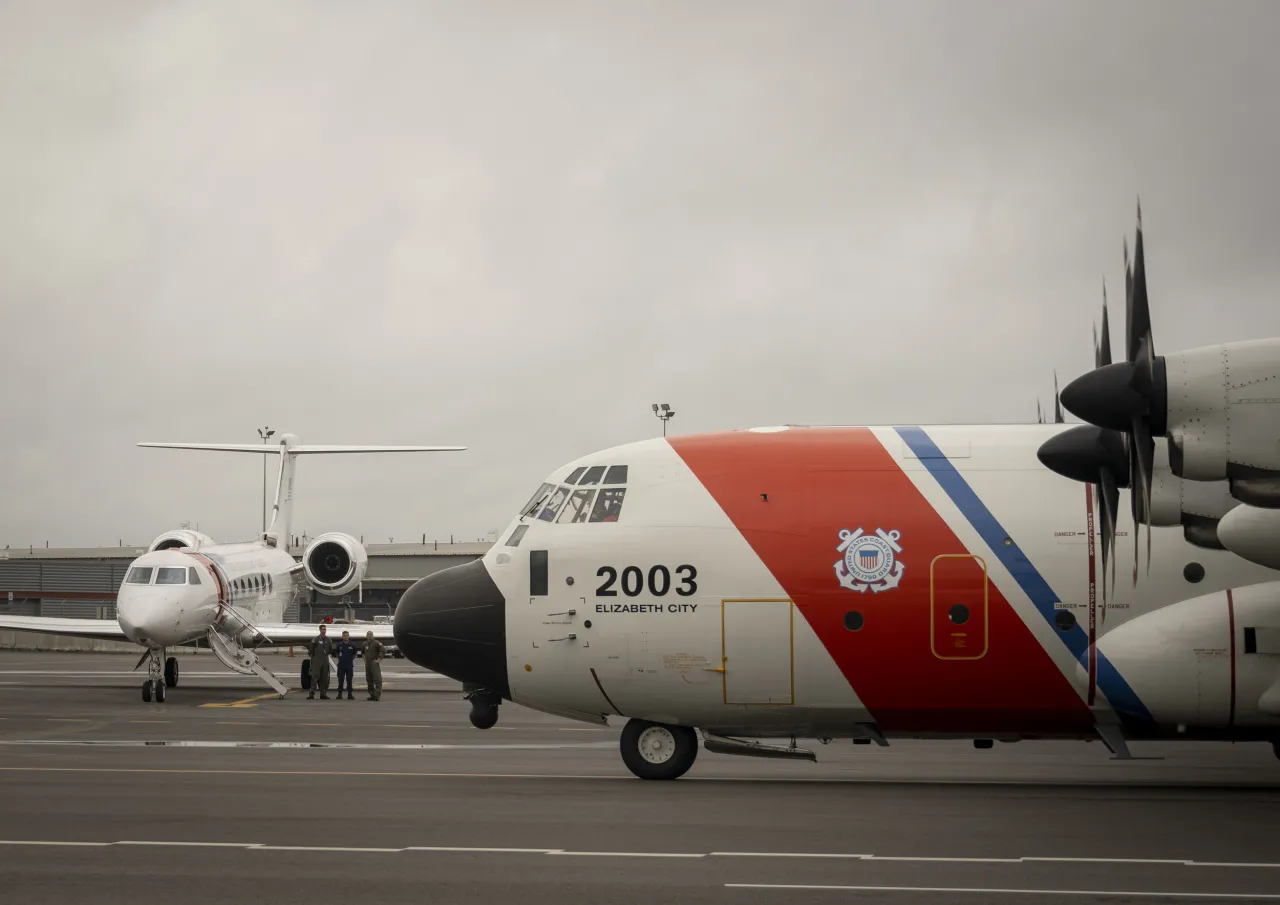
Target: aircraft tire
x,y
658,750
306,674
171,672
160,691
146,692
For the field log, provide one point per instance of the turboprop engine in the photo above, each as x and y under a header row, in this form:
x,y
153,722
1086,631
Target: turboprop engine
x,y
181,539
335,563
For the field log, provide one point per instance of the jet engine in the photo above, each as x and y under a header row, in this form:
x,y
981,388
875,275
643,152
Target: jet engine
x,y
182,539
335,563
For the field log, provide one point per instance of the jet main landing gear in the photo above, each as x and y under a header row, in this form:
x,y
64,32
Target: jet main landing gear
x,y
157,675
171,672
658,750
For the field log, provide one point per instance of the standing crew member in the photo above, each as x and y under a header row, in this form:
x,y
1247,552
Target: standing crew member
x,y
346,664
372,652
320,649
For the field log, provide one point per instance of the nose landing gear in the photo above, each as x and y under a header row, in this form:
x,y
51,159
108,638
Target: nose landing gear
x,y
158,675
484,707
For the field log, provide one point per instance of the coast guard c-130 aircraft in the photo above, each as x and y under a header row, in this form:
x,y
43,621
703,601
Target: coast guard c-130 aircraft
x,y
186,588
874,583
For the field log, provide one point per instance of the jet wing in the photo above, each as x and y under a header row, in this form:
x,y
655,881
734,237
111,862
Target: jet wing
x,y
303,632
104,629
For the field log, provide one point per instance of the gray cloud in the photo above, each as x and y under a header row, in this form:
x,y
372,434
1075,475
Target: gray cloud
x,y
513,226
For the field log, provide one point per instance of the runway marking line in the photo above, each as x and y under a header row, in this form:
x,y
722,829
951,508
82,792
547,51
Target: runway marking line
x,y
65,719
258,846
1121,893
250,702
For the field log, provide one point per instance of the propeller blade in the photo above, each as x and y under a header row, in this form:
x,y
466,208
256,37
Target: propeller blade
x,y
1145,449
1039,413
1138,326
1057,403
1103,347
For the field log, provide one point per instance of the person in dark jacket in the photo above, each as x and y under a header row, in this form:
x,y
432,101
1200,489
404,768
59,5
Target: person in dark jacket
x,y
346,651
319,650
371,650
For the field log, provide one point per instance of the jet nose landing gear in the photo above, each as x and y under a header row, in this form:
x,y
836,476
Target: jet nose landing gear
x,y
157,675
484,708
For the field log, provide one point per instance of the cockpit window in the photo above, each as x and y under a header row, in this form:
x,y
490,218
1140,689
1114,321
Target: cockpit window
x,y
579,507
171,575
593,475
608,504
536,500
617,475
514,539
575,474
193,575
558,496
140,575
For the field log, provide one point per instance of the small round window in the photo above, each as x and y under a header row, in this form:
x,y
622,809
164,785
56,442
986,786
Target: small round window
x,y
1193,572
1065,620
958,614
853,620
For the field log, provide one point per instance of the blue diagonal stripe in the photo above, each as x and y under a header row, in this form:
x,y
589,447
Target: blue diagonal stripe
x,y
1113,685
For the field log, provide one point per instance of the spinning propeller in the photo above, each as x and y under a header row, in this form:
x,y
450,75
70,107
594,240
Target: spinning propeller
x,y
1129,397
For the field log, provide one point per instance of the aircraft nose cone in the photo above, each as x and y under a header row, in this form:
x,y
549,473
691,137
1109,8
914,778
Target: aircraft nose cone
x,y
455,622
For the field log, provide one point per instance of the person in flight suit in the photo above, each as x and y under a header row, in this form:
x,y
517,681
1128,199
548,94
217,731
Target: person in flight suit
x,y
371,650
320,649
346,651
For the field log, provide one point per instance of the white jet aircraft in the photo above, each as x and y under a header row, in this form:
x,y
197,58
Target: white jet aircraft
x,y
186,587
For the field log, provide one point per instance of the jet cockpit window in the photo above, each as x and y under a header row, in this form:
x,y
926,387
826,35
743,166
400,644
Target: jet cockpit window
x,y
171,575
535,501
593,475
140,575
608,504
579,507
558,496
575,474
617,475
193,575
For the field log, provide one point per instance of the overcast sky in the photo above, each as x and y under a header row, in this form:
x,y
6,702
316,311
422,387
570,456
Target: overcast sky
x,y
514,226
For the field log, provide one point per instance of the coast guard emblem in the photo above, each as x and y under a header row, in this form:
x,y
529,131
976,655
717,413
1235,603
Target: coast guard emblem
x,y
869,561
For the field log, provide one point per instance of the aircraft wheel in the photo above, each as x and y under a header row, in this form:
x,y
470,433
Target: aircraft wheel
x,y
146,692
1275,748
171,672
657,750
306,674
160,691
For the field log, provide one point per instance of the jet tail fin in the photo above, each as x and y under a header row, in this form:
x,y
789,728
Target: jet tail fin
x,y
279,532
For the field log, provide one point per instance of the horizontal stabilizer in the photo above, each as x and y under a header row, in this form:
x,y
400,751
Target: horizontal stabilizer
x,y
269,450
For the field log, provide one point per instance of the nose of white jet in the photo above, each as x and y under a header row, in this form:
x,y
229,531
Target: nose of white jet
x,y
161,613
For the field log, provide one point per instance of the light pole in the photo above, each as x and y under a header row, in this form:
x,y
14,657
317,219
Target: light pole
x,y
664,415
265,433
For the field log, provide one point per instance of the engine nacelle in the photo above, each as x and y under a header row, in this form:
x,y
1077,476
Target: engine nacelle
x,y
1252,533
1196,505
1182,660
335,563
182,539
1222,410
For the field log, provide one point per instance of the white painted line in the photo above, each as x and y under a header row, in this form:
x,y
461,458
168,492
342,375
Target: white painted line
x,y
165,743
628,854
41,842
186,844
463,848
1120,893
318,848
783,855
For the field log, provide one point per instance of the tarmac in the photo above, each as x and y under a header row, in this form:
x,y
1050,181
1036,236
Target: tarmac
x,y
228,792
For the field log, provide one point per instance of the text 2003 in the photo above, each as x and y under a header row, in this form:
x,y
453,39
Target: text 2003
x,y
658,581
